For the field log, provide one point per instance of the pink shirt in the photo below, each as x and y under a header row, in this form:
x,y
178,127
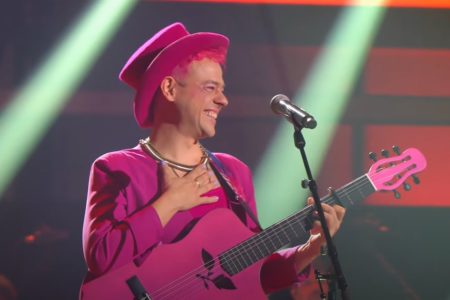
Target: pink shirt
x,y
120,222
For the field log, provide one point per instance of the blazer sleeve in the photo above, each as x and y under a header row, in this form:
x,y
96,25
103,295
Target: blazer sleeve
x,y
111,235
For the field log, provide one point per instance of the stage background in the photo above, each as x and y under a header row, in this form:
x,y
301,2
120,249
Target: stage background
x,y
389,249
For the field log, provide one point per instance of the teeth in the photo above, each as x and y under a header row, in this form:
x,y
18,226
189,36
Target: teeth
x,y
212,114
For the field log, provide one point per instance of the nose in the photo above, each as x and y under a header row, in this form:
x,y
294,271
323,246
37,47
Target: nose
x,y
221,99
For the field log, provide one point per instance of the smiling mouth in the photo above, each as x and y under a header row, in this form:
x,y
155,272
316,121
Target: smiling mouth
x,y
212,114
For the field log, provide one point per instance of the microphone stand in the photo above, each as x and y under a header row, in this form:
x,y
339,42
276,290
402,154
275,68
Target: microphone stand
x,y
300,143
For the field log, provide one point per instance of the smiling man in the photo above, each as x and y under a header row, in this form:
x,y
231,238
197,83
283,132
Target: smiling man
x,y
143,202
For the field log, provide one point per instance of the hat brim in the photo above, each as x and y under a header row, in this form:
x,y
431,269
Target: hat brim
x,y
163,65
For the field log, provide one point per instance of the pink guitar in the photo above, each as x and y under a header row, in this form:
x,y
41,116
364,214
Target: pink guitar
x,y
221,258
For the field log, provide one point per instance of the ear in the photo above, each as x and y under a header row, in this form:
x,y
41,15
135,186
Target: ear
x,y
168,88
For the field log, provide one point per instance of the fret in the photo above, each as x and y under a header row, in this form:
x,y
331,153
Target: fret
x,y
246,257
267,248
292,229
355,191
285,232
278,236
367,188
259,254
340,195
238,259
235,256
259,242
228,264
267,242
300,224
253,255
360,191
347,196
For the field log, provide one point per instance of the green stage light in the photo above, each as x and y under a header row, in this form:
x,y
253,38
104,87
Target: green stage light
x,y
33,109
325,95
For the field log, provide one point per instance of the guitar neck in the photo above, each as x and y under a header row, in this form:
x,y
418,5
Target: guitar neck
x,y
293,228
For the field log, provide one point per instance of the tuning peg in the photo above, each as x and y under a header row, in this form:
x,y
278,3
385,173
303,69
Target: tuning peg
x,y
396,149
385,153
373,156
396,194
416,179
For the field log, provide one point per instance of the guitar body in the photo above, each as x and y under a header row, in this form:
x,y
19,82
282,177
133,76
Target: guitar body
x,y
178,270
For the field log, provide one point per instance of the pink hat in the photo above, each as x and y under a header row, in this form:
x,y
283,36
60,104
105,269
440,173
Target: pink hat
x,y
157,58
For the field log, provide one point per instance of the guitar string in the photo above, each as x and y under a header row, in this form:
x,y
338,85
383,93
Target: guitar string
x,y
194,290
262,237
257,239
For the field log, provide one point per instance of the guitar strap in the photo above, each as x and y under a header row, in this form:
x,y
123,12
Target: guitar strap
x,y
238,205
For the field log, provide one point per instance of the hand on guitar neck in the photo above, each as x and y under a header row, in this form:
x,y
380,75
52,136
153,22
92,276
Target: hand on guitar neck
x,y
306,253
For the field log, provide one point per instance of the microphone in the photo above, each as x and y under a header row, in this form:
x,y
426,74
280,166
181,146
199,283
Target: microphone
x,y
281,105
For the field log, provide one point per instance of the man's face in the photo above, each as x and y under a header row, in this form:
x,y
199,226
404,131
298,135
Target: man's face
x,y
200,98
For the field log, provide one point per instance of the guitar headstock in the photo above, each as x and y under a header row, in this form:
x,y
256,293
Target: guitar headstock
x,y
389,173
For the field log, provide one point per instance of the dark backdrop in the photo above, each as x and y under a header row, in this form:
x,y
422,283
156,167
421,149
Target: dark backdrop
x,y
396,251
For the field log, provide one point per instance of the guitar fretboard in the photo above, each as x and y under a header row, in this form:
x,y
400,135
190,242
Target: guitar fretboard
x,y
294,227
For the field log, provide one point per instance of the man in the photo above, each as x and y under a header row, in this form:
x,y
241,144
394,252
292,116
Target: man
x,y
151,195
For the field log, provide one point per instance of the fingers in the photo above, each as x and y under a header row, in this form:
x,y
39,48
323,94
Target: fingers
x,y
335,210
203,189
340,212
334,215
196,172
206,182
203,178
208,200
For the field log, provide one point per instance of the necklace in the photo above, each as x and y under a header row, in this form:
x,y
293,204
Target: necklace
x,y
148,147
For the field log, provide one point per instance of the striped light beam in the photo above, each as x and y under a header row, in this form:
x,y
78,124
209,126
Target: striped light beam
x,y
325,95
34,108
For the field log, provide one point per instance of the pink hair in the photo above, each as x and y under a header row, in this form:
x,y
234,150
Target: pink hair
x,y
217,55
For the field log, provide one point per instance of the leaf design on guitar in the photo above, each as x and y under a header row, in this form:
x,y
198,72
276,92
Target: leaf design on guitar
x,y
208,261
222,282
